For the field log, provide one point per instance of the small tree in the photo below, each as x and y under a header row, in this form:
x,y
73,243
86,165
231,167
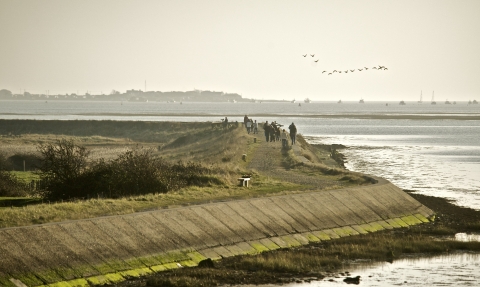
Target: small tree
x,y
62,165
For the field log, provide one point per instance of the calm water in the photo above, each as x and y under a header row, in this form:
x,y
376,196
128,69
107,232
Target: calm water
x,y
459,269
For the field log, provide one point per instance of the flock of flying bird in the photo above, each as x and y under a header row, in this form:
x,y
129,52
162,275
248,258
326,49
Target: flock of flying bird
x,y
346,71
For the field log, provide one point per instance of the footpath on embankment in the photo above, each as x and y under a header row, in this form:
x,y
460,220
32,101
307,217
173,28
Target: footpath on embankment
x,y
110,249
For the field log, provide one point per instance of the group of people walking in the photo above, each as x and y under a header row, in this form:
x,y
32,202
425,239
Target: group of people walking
x,y
274,132
251,125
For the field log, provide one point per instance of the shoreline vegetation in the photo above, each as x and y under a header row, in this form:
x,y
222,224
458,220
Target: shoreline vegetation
x,y
223,151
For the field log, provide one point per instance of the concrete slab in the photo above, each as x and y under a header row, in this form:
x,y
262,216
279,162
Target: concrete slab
x,y
101,244
311,202
252,232
280,242
226,235
301,206
212,236
275,219
34,256
343,207
371,202
362,212
251,214
223,252
238,230
181,235
124,236
146,225
322,211
204,239
296,220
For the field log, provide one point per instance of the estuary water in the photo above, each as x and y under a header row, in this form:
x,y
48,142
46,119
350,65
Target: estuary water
x,y
432,149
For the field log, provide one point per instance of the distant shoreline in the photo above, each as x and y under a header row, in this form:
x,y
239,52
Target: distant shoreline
x,y
436,116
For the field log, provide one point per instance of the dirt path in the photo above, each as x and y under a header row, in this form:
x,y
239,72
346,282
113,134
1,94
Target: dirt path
x,y
267,160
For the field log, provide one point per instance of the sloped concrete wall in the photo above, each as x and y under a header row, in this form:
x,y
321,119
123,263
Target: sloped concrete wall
x,y
108,249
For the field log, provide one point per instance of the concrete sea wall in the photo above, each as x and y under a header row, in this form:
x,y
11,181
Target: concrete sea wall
x,y
109,249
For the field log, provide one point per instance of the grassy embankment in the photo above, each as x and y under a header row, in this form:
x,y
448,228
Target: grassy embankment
x,y
196,142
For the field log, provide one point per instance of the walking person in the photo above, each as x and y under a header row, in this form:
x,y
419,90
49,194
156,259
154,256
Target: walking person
x,y
266,128
249,126
293,132
284,138
255,127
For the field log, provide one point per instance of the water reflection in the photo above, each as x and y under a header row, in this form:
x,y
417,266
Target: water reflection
x,y
459,269
464,237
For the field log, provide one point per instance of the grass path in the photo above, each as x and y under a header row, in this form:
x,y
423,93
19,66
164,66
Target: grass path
x,y
267,160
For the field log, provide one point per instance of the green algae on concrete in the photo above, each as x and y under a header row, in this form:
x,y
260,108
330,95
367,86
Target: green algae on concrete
x,y
310,237
280,242
300,238
196,256
384,224
291,242
259,247
331,233
377,226
359,229
345,231
158,268
421,218
411,220
135,273
105,279
393,223
28,279
172,256
71,283
322,235
400,222
235,250
269,244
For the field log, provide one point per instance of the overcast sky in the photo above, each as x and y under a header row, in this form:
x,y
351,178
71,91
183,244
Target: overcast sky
x,y
253,48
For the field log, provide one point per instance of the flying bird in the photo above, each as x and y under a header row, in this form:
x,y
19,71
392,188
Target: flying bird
x,y
366,68
334,71
312,55
385,68
324,72
304,55
352,71
329,74
316,61
360,70
374,68
346,71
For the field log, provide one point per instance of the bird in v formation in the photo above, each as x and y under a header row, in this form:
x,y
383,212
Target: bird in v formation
x,y
335,71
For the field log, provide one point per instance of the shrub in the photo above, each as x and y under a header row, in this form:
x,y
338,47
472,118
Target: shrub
x,y
9,185
67,175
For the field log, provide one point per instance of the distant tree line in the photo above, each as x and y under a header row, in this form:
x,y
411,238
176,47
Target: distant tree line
x,y
132,95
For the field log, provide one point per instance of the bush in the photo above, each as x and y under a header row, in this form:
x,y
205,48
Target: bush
x,y
66,173
10,186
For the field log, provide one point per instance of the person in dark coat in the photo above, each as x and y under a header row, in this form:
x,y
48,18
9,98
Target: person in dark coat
x,y
293,132
266,128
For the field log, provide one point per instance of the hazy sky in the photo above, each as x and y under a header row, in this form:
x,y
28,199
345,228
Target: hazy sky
x,y
253,48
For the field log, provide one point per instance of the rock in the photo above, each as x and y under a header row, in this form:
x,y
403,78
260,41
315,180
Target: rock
x,y
352,280
206,263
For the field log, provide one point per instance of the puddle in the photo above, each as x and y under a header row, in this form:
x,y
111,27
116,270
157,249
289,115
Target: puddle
x,y
458,269
464,237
